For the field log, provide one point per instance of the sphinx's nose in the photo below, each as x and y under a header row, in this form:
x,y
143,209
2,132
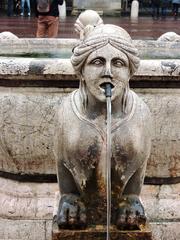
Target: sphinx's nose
x,y
107,71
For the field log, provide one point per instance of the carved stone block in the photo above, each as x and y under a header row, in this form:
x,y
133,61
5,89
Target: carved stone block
x,y
99,233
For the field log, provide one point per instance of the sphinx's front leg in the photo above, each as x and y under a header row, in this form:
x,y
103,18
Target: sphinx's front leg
x,y
71,212
131,211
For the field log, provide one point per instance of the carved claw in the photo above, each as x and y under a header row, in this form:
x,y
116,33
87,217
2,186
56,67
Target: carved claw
x,y
131,213
71,213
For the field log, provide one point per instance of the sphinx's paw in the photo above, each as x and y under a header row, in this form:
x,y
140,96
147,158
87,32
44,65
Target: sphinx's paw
x,y
71,212
130,213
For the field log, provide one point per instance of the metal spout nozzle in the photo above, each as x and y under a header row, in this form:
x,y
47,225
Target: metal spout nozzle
x,y
108,92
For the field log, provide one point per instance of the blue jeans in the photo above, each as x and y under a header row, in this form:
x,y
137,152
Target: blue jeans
x,y
28,6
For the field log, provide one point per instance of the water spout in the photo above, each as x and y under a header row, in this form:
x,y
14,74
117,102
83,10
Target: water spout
x,y
108,157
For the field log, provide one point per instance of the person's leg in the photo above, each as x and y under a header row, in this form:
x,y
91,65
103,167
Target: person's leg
x,y
41,27
153,10
163,9
53,26
22,7
28,7
175,9
10,8
158,6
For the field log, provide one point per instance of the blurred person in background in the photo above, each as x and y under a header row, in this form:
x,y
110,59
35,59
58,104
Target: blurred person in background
x,y
164,6
17,7
28,7
10,8
176,5
155,4
47,20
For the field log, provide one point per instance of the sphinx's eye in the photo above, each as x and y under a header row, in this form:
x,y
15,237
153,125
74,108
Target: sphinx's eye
x,y
97,61
118,62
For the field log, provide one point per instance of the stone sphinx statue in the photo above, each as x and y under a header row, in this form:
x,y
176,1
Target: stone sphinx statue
x,y
105,55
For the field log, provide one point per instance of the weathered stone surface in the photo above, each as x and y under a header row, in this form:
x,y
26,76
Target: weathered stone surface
x,y
166,197
157,49
165,152
148,49
26,137
29,68
61,69
27,130
159,68
8,35
161,202
19,154
169,36
99,233
49,229
26,200
37,200
165,230
105,59
25,206
22,230
35,45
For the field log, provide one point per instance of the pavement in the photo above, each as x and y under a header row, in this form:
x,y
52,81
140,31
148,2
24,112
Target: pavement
x,y
143,28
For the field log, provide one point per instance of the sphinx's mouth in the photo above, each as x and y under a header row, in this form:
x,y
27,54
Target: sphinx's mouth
x,y
103,85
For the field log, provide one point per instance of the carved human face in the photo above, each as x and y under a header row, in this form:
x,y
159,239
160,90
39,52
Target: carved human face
x,y
106,65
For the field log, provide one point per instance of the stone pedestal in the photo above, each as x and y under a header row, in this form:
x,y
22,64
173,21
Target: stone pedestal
x,y
99,233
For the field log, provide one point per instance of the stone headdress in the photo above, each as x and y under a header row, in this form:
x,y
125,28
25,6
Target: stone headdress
x,y
96,36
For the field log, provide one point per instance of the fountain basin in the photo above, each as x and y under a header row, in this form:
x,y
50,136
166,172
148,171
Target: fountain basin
x,y
53,48
30,91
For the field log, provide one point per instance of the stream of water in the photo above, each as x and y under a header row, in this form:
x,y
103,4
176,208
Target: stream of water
x,y
108,166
